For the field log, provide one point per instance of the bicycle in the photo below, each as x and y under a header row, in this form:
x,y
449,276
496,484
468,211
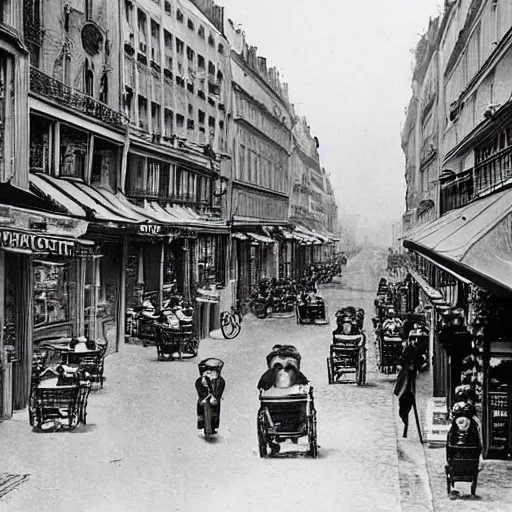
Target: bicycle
x,y
230,323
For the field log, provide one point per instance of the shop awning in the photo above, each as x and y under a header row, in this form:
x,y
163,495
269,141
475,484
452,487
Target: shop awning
x,y
474,241
239,236
81,200
261,238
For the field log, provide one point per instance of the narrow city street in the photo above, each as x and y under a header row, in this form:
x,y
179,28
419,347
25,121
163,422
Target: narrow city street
x,y
141,450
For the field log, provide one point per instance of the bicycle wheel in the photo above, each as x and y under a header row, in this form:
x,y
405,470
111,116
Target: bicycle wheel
x,y
229,327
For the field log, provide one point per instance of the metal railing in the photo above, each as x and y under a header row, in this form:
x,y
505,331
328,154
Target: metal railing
x,y
45,85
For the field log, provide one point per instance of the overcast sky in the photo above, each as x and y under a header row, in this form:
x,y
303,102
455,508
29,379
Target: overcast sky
x,y
349,65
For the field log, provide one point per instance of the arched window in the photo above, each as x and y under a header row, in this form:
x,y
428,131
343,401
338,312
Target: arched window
x,y
88,78
104,88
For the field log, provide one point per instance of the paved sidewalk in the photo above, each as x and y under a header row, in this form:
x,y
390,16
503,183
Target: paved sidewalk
x,y
494,490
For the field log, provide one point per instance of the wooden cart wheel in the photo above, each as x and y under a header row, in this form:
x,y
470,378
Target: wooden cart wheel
x,y
473,486
313,445
359,373
31,416
262,444
330,371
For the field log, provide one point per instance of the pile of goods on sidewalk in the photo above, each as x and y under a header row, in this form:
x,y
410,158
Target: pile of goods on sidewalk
x,y
396,328
63,374
347,353
142,321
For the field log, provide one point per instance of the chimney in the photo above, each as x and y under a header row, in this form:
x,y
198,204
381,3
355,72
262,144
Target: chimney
x,y
262,65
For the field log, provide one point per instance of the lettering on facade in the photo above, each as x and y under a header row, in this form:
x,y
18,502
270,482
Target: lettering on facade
x,y
36,243
150,229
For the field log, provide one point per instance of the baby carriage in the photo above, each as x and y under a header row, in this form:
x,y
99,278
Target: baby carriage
x,y
311,309
286,411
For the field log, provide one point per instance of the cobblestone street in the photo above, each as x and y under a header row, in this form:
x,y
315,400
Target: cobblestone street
x,y
141,450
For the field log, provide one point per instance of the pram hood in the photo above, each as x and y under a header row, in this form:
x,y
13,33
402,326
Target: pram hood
x,y
283,351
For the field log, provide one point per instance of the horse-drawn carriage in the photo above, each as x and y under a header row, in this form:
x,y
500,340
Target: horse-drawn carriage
x,y
347,353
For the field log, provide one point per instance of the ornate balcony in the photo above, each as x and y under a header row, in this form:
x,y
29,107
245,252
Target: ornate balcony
x,y
41,83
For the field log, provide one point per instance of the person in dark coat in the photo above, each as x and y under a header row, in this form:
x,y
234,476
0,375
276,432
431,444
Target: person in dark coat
x,y
209,383
405,386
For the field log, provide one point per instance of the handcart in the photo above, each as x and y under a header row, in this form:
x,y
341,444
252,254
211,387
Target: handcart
x,y
286,414
390,348
462,465
183,342
63,404
347,357
311,312
91,362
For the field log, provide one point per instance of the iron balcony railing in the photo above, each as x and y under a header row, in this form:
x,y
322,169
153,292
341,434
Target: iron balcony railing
x,y
45,85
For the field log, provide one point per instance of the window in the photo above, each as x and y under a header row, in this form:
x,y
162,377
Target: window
x,y
104,88
74,145
190,109
128,12
167,7
168,117
105,164
88,10
168,41
190,24
153,185
52,293
200,32
180,46
221,48
135,174
211,40
143,113
190,53
190,124
155,41
155,118
128,104
66,65
141,24
41,144
201,116
179,16
211,122
200,62
88,79
180,122
7,131
211,68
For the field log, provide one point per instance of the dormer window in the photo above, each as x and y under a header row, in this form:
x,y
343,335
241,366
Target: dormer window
x,y
221,48
179,16
190,24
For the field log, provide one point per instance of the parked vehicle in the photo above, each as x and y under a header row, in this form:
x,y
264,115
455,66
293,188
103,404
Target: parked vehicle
x,y
347,353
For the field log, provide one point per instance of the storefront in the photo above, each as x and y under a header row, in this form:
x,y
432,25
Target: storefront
x,y
43,264
466,256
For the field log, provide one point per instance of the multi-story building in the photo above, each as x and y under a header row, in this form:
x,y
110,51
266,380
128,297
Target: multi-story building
x,y
313,207
176,78
260,142
460,258
14,65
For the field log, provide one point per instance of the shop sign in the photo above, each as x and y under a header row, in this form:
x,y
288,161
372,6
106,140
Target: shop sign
x,y
36,243
150,229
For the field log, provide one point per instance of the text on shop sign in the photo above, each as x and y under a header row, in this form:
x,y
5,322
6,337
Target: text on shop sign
x,y
36,243
150,228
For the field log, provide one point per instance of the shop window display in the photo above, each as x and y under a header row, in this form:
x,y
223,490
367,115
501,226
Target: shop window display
x,y
51,292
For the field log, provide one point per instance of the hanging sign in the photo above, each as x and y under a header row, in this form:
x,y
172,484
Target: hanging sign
x,y
36,243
